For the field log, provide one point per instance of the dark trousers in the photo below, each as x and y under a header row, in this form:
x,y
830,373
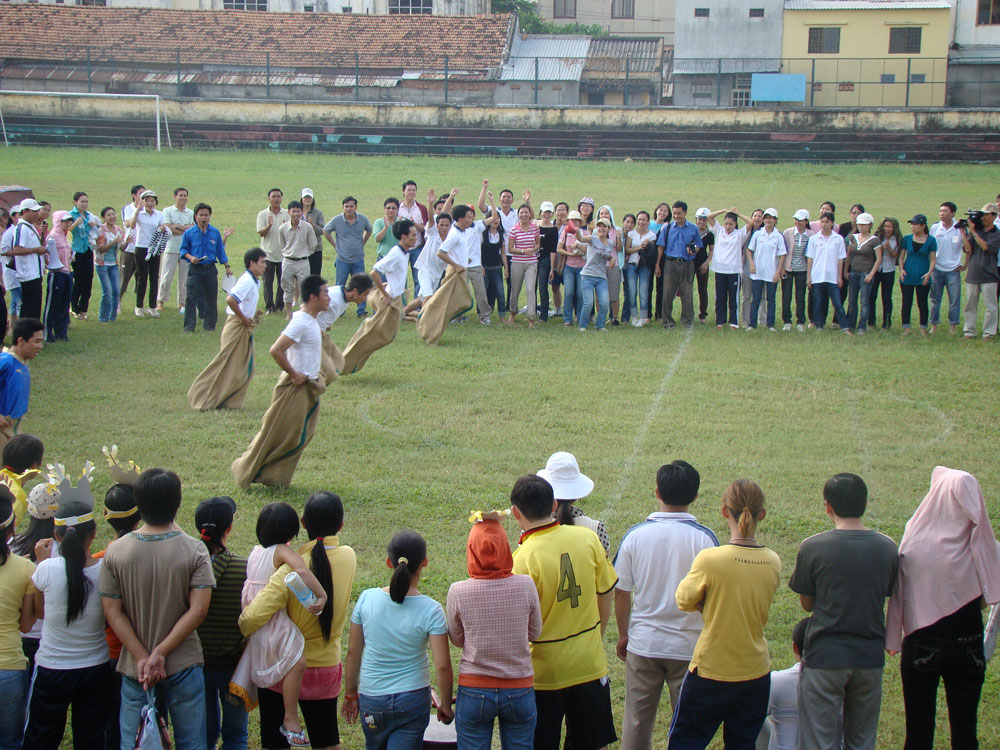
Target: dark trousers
x,y
542,286
705,704
493,279
83,280
59,291
904,312
127,272
884,280
679,281
202,297
31,299
796,280
727,298
766,291
659,292
146,272
87,689
925,661
828,294
272,273
316,263
702,279
3,317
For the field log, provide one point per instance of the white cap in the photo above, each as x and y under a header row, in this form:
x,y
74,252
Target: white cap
x,y
563,473
702,213
29,204
546,206
802,215
147,194
307,191
865,219
771,212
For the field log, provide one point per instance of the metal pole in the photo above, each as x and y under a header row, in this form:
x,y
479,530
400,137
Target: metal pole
x,y
166,126
446,79
627,61
4,128
536,80
178,72
267,75
157,122
357,77
718,82
909,62
812,84
88,71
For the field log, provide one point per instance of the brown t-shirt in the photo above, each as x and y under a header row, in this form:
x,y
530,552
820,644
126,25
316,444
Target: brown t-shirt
x,y
863,253
153,575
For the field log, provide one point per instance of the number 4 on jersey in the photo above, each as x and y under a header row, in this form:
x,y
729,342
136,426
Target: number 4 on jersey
x,y
568,588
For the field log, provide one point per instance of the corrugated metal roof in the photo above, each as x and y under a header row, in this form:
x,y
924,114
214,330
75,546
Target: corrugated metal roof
x,y
975,54
561,57
867,5
710,66
609,54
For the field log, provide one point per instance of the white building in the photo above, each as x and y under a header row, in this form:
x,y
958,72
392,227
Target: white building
x,y
974,59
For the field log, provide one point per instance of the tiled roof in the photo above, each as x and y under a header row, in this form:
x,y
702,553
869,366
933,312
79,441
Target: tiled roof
x,y
234,38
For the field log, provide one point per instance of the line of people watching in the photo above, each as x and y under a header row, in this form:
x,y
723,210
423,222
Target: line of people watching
x,y
163,623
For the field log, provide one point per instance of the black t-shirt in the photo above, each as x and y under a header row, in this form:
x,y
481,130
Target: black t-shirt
x,y
491,251
707,240
550,240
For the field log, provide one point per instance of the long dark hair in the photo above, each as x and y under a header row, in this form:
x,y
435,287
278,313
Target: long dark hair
x,y
277,523
73,541
7,519
407,551
500,233
323,516
564,513
24,543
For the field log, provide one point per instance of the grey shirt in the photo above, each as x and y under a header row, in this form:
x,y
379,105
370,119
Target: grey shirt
x,y
598,255
850,574
983,264
350,245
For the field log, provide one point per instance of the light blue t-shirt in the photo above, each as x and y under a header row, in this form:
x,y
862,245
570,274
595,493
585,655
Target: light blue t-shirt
x,y
395,655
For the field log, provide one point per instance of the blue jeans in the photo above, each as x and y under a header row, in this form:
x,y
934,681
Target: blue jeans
x,y
857,286
345,269
939,280
414,254
233,723
572,294
108,276
396,721
14,689
825,292
15,301
642,283
759,287
495,294
185,691
589,286
477,708
630,272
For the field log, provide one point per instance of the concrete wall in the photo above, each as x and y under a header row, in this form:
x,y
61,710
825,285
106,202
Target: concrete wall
x,y
542,117
550,93
654,18
728,31
966,30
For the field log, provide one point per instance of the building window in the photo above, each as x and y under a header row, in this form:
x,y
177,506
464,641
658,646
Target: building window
x,y
918,78
410,7
904,40
564,9
741,89
623,8
702,91
346,9
596,99
989,13
703,12
888,78
93,3
308,8
824,41
756,13
244,5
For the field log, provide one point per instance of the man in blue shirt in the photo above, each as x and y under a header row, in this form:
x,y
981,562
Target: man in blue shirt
x,y
677,244
202,246
28,336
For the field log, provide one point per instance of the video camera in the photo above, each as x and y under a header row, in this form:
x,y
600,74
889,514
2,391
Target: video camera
x,y
975,218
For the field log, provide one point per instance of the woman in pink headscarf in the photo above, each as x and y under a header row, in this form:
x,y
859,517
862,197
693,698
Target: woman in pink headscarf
x,y
949,569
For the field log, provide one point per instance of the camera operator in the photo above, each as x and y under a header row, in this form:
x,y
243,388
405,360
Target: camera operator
x,y
981,242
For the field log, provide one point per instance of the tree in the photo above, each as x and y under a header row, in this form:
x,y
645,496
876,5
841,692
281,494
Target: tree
x,y
532,23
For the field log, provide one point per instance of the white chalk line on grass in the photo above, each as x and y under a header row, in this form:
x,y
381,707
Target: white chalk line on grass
x,y
643,431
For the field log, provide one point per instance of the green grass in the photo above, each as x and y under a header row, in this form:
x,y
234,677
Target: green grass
x,y
423,435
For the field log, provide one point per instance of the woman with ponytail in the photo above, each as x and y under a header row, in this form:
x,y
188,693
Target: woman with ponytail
x,y
331,565
71,666
17,615
388,679
729,677
221,640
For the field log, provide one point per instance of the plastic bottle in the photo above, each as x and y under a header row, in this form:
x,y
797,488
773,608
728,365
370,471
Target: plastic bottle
x,y
302,592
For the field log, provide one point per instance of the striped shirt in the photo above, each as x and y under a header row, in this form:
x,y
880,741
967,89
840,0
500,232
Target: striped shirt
x,y
221,640
524,242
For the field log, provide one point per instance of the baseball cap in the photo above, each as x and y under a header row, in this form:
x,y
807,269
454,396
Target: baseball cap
x,y
587,200
918,219
546,206
605,222
65,216
865,219
702,213
802,215
29,204
771,212
990,208
307,191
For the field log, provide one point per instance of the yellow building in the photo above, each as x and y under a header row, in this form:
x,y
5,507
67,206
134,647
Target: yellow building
x,y
869,53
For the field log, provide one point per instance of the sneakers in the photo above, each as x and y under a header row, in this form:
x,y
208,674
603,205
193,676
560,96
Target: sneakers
x,y
151,313
138,312
614,322
801,328
181,310
523,310
486,322
771,328
788,327
933,329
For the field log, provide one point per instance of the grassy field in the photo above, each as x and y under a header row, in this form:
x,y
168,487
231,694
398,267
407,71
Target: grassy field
x,y
423,435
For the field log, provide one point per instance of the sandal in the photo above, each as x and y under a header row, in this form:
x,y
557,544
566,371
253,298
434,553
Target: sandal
x,y
294,739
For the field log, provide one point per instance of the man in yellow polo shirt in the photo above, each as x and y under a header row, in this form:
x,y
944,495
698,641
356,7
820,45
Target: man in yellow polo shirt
x,y
575,582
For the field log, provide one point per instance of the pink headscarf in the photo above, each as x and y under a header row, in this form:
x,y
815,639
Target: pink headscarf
x,y
948,556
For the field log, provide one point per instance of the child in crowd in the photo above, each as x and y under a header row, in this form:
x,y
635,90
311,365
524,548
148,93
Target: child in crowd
x,y
843,576
492,616
22,460
733,585
276,651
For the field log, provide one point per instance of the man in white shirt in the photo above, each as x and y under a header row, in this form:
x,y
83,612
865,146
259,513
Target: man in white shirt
x,y
29,259
298,242
177,218
268,221
656,640
477,277
410,208
796,240
825,256
290,421
948,268
781,728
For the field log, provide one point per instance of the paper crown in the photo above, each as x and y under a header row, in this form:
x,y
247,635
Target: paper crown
x,y
12,485
69,493
121,475
43,501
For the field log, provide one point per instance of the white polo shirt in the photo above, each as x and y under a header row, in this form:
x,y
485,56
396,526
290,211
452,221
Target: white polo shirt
x,y
336,308
653,558
727,257
766,249
146,225
949,246
306,354
246,291
474,241
825,252
457,247
27,267
393,268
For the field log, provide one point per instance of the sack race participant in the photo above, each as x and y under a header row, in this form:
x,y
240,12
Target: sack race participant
x,y
290,421
224,383
389,275
452,297
356,290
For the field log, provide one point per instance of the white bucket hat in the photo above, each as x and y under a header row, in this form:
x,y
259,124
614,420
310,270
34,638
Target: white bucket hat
x,y
563,473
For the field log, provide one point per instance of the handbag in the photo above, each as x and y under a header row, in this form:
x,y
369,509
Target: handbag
x,y
647,256
152,734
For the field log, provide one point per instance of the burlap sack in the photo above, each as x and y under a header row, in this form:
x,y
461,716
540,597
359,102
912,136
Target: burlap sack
x,y
285,431
333,360
224,383
452,298
375,332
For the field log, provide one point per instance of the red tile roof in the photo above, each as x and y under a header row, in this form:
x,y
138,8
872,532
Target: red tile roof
x,y
233,38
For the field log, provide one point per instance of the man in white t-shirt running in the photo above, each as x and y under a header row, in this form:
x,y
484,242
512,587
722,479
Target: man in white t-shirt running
x,y
656,639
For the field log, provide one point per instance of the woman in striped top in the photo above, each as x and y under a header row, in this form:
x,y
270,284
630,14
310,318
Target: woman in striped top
x,y
523,244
